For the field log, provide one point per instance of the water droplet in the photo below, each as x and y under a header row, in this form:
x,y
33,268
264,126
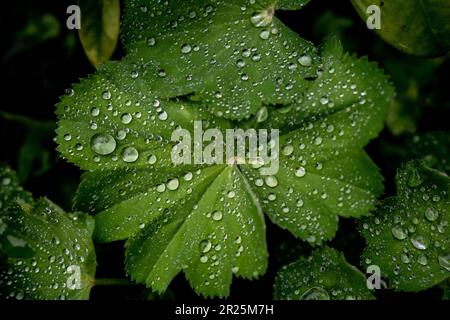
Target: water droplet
x,y
419,242
305,60
152,159
205,246
151,42
271,181
217,215
398,233
231,194
95,112
185,48
264,34
103,144
287,150
315,294
300,172
130,154
134,74
67,137
106,95
431,214
422,259
263,18
444,261
173,184
126,118
324,100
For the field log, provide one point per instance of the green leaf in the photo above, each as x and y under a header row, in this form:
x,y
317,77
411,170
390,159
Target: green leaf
x,y
291,4
43,249
233,55
419,28
99,33
117,125
409,236
325,275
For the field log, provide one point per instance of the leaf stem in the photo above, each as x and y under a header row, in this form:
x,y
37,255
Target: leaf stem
x,y
26,121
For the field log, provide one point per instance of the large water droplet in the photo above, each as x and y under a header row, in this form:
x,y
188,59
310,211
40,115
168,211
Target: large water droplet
x,y
217,215
305,60
103,144
419,242
431,214
398,233
300,172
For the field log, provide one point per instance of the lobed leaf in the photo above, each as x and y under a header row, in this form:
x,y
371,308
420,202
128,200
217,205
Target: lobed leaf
x,y
46,254
409,237
325,275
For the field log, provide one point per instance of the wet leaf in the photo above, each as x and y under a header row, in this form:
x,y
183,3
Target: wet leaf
x,y
419,28
409,236
117,125
46,254
325,275
99,33
433,148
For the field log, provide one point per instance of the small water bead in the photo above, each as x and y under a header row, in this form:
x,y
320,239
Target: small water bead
x,y
288,150
163,116
126,118
300,172
422,259
188,176
151,42
264,34
205,246
324,100
103,144
259,182
134,74
161,187
173,184
420,242
106,95
240,63
398,233
130,154
67,137
186,48
217,215
318,141
271,181
162,73
121,134
95,111
431,214
305,60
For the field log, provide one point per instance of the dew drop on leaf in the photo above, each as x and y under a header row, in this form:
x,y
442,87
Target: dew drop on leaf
x,y
103,144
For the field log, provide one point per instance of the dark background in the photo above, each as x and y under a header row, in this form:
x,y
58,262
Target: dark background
x,y
40,58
